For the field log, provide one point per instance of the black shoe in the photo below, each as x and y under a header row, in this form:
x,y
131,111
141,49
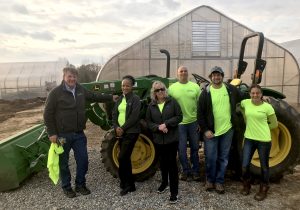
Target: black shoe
x,y
127,190
69,193
162,188
132,188
173,199
83,190
122,186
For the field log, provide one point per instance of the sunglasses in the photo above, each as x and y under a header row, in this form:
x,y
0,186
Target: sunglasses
x,y
160,89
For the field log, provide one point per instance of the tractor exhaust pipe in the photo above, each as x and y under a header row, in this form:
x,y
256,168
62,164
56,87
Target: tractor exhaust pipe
x,y
168,61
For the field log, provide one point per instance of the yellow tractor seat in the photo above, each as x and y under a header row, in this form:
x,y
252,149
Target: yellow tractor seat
x,y
236,82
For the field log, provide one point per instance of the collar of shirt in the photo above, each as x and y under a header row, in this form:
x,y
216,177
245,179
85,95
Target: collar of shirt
x,y
72,90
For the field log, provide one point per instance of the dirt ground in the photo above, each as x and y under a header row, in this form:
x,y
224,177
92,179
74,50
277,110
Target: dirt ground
x,y
19,115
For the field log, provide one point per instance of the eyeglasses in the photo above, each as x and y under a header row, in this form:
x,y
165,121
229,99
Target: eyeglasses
x,y
160,89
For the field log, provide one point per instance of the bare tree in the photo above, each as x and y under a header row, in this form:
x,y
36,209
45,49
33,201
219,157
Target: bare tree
x,y
88,73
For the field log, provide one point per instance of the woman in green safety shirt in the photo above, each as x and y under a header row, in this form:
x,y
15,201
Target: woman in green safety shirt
x,y
260,118
163,116
125,118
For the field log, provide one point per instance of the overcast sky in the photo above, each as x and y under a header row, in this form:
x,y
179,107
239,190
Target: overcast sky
x,y
84,31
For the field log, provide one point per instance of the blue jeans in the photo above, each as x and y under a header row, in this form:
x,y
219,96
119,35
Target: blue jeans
x,y
216,156
263,149
185,131
77,142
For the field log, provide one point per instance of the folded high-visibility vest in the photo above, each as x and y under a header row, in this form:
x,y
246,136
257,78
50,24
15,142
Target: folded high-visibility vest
x,y
53,161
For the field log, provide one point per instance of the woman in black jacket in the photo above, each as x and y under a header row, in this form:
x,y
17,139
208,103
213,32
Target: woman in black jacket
x,y
163,116
125,118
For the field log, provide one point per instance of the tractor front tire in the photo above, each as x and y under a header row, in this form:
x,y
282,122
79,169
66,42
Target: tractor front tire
x,y
143,159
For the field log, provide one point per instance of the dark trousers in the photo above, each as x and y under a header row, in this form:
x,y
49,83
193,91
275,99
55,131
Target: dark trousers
x,y
263,149
126,144
168,165
77,142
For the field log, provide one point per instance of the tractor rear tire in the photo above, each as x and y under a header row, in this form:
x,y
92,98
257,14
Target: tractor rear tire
x,y
144,158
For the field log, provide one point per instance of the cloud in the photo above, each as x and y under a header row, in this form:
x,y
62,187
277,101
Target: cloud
x,y
146,10
105,27
20,9
11,30
102,45
45,35
171,4
65,40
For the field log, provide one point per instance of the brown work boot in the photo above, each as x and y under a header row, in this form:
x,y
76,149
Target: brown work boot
x,y
184,177
246,187
209,186
196,177
220,188
262,194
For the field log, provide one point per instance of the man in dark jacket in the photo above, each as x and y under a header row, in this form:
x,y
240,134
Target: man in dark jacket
x,y
216,117
64,117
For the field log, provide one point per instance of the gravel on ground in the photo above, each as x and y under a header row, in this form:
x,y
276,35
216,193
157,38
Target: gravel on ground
x,y
39,192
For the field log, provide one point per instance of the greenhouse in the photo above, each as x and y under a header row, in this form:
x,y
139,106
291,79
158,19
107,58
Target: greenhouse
x,y
200,39
29,79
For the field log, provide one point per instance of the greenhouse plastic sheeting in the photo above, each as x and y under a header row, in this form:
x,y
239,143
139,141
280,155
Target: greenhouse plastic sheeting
x,y
201,39
29,79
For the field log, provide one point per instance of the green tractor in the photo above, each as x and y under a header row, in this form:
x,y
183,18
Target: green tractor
x,y
285,152
26,153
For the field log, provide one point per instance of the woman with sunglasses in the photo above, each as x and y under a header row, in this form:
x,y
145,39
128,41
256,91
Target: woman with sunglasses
x,y
125,119
260,118
163,116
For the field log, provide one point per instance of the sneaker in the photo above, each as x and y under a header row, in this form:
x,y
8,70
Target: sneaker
x,y
173,199
183,177
83,190
196,177
209,186
162,188
220,188
69,193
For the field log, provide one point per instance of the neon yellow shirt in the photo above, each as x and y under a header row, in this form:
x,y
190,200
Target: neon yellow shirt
x,y
161,106
53,161
187,96
257,127
122,112
221,110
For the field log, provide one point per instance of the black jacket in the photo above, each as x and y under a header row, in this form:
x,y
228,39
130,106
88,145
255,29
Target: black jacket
x,y
64,114
132,116
171,115
205,114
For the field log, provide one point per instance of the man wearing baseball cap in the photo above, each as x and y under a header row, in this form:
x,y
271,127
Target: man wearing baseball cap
x,y
216,116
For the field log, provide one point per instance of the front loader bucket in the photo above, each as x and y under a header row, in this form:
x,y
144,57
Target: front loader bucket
x,y
21,155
